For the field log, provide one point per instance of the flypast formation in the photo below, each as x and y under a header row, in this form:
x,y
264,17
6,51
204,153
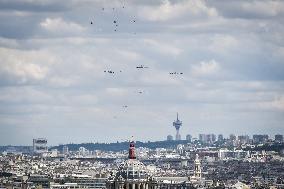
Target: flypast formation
x,y
115,24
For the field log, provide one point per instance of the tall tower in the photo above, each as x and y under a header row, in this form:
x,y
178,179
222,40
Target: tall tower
x,y
177,124
197,167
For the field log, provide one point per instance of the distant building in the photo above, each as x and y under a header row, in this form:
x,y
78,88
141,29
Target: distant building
x,y
232,137
260,138
197,180
177,124
210,138
243,139
188,138
278,138
207,138
83,151
40,146
65,150
197,168
202,138
232,154
220,137
170,138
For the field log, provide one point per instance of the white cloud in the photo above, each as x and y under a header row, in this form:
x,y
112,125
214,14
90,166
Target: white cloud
x,y
24,66
223,43
205,68
163,47
276,104
58,25
168,10
116,91
58,81
128,55
265,8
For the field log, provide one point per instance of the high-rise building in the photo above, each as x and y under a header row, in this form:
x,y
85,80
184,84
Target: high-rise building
x,y
202,138
177,124
278,138
232,137
188,138
210,138
40,145
260,138
207,138
220,137
243,139
170,138
213,136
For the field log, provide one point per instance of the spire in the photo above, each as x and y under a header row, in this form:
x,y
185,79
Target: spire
x,y
177,115
131,154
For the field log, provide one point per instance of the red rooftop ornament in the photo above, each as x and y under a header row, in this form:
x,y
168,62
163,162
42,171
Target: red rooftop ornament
x,y
132,150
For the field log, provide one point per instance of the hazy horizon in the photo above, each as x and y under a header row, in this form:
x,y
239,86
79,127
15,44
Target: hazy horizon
x,y
55,58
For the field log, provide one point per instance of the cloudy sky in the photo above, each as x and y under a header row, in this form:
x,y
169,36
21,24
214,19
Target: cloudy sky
x,y
53,84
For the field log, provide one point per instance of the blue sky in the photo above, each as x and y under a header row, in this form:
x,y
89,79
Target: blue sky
x,y
53,84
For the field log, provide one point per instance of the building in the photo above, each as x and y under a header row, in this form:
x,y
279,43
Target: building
x,y
210,138
278,138
40,146
132,174
188,138
170,138
243,139
197,180
220,138
202,138
177,124
207,138
83,151
260,138
225,154
65,150
197,168
232,137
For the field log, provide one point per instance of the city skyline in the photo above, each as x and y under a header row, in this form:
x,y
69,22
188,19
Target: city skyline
x,y
99,71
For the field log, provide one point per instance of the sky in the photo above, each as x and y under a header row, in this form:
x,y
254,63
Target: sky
x,y
53,82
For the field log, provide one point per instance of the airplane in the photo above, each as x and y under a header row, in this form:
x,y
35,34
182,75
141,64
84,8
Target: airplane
x,y
141,67
109,71
176,73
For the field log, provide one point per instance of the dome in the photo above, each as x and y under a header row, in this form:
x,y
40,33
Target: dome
x,y
132,169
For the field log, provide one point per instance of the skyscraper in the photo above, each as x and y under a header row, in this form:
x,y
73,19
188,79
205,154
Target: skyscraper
x,y
177,124
220,137
279,138
170,138
188,138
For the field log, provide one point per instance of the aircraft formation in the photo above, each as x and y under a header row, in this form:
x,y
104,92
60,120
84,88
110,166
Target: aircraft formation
x,y
115,24
115,21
